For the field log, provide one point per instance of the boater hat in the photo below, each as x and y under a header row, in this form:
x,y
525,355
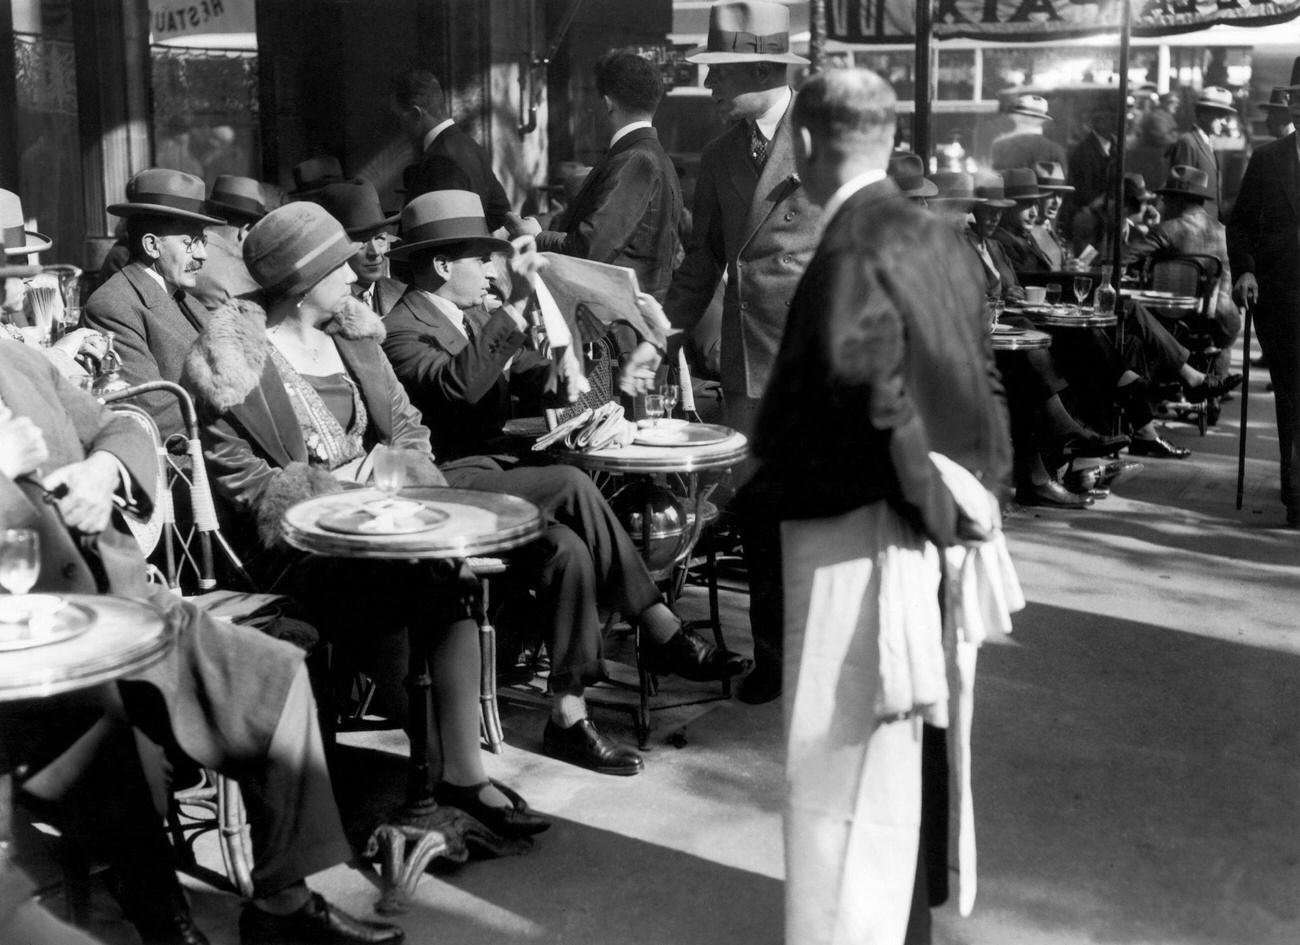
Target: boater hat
x,y
988,191
747,32
1051,176
444,218
908,172
1033,106
1021,183
1185,181
162,192
238,196
296,246
1216,99
313,174
355,204
18,240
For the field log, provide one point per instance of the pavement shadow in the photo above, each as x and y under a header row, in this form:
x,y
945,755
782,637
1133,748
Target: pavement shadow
x,y
1257,542
1134,781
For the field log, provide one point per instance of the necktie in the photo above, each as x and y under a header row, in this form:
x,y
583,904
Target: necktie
x,y
469,329
757,148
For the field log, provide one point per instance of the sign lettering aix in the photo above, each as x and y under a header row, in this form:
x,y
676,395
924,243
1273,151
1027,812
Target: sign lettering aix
x,y
891,21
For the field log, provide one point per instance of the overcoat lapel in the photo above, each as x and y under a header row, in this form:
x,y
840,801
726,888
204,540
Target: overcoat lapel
x,y
775,180
1291,173
742,175
360,357
268,417
428,315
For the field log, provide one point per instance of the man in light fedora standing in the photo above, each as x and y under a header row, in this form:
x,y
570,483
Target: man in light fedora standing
x,y
1195,148
1025,144
355,204
224,276
754,223
1264,246
149,305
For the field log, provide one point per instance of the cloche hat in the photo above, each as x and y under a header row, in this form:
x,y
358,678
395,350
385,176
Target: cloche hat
x,y
747,32
296,246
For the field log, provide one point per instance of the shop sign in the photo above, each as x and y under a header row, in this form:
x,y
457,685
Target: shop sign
x,y
170,19
893,21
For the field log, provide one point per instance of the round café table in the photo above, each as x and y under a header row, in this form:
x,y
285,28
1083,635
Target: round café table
x,y
1168,304
460,523
1063,316
98,638
1021,339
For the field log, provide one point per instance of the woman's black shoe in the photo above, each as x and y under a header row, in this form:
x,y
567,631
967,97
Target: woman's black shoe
x,y
512,821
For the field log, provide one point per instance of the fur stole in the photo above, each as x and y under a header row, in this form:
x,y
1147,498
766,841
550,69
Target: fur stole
x,y
225,363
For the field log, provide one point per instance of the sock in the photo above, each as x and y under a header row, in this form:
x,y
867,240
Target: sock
x,y
659,624
568,709
1058,419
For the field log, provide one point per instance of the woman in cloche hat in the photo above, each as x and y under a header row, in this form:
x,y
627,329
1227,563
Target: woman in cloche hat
x,y
297,397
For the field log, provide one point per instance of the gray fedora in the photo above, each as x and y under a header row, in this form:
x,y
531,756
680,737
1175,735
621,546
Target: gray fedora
x,y
446,218
162,192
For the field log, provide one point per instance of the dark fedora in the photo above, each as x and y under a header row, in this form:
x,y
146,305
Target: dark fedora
x,y
955,187
1051,177
1295,77
990,192
314,173
355,204
296,246
1135,188
18,240
162,192
908,172
1185,181
747,32
238,197
1021,183
1276,101
445,218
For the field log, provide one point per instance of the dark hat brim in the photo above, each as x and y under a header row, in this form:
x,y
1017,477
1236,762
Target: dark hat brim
x,y
1038,194
236,211
1185,192
1056,188
1028,114
997,203
701,55
488,243
36,243
1273,106
355,231
159,210
926,188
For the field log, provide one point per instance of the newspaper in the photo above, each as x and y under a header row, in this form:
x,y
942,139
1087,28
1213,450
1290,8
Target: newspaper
x,y
607,292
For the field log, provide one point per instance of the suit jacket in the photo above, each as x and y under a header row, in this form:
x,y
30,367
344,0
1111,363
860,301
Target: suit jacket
x,y
1194,149
627,213
1088,173
758,229
886,358
387,292
153,331
455,161
461,390
1001,279
1195,232
1264,232
1023,150
224,275
1021,251
223,686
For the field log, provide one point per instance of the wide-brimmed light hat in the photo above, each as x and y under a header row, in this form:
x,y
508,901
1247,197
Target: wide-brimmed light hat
x,y
296,246
747,32
1187,181
1217,99
990,192
1032,106
18,240
908,171
238,196
311,175
163,192
445,218
1051,176
355,204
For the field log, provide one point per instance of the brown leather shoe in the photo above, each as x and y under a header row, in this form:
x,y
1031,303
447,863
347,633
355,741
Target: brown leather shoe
x,y
582,744
316,923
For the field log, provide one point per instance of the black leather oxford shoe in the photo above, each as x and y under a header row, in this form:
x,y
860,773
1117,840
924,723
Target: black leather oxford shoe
x,y
582,744
316,923
1052,495
690,656
1158,447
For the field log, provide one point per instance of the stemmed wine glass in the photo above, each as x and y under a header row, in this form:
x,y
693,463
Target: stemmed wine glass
x,y
654,408
669,393
20,559
1082,286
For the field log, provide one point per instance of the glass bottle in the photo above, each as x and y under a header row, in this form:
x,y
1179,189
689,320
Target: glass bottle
x,y
1104,299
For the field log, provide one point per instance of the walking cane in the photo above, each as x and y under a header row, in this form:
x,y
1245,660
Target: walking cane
x,y
1245,401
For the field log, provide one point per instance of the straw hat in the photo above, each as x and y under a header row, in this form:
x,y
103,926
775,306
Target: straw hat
x,y
1185,181
1051,177
1031,106
444,218
355,204
989,190
747,32
1021,183
238,196
162,192
908,172
314,173
1216,99
18,240
296,246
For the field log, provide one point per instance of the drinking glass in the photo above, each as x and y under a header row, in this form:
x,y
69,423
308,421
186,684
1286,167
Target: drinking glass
x,y
654,408
390,470
20,559
1082,286
669,393
1053,293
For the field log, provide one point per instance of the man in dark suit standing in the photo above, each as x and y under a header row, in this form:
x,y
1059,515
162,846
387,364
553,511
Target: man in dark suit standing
x,y
1264,251
1091,164
630,205
754,223
149,305
886,361
1195,148
449,158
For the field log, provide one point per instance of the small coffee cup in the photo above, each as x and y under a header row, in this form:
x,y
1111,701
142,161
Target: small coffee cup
x,y
1036,294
